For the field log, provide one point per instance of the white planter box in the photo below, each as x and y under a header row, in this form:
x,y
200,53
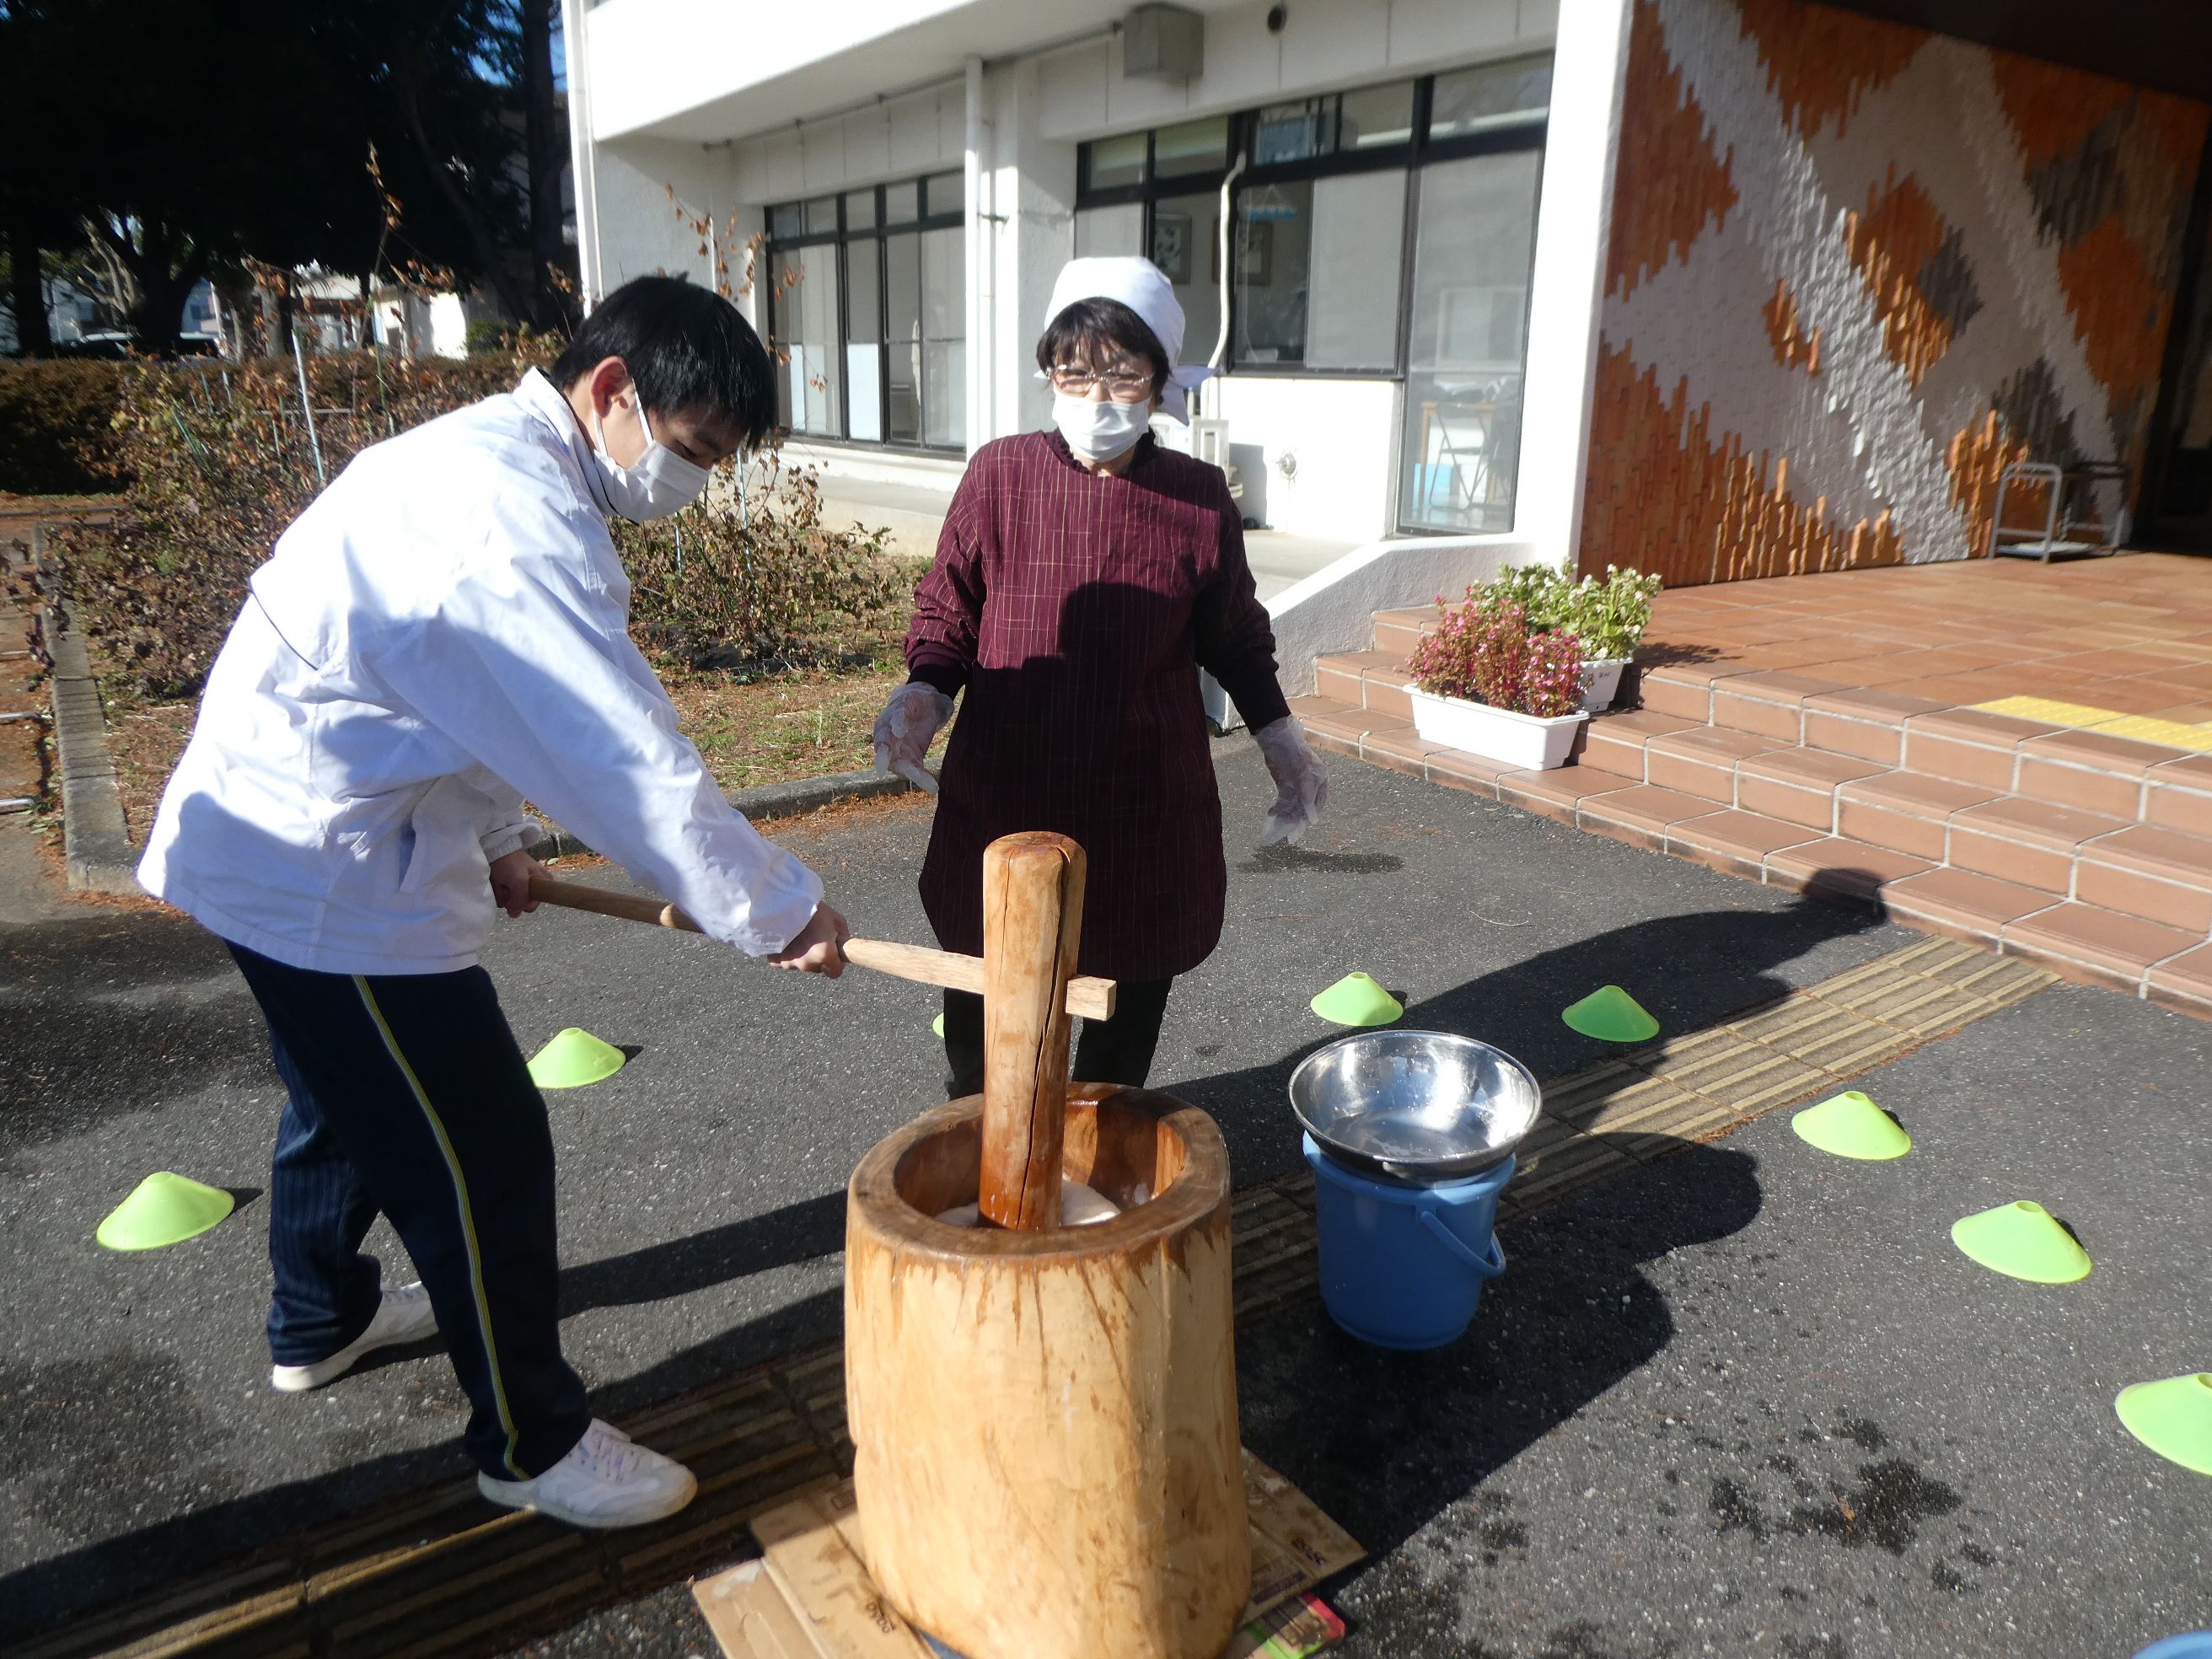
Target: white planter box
x,y
1601,683
1498,734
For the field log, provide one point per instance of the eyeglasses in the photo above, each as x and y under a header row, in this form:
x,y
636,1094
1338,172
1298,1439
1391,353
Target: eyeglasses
x,y
1123,385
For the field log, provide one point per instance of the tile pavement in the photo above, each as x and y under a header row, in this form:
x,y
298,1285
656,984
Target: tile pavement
x,y
1821,733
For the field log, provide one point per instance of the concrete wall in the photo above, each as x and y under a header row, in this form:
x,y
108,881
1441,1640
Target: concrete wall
x,y
1853,270
903,137
1033,110
642,228
1339,438
1324,46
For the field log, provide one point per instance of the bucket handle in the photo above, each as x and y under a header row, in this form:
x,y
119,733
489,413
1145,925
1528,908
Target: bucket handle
x,y
1486,1264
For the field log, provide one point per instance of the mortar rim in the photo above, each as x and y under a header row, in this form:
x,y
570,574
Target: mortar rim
x,y
872,1200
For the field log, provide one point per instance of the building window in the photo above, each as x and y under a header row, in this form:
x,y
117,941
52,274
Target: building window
x,y
1159,193
1385,230
867,298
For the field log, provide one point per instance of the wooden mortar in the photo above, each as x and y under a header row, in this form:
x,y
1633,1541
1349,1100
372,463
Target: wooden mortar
x,y
1044,1418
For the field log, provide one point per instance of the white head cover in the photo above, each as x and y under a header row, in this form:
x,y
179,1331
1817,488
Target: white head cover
x,y
1144,287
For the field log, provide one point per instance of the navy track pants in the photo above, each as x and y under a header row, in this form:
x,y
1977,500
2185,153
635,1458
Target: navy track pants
x,y
409,1096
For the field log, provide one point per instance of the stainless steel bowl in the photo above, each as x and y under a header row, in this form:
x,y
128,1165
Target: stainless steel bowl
x,y
1415,1105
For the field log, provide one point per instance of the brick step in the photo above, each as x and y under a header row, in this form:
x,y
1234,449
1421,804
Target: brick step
x,y
2146,869
2091,895
1758,708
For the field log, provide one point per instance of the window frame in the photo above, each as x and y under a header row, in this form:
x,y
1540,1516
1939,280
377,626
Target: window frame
x,y
1417,151
875,239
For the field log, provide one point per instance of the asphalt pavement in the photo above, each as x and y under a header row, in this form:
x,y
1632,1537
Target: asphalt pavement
x,y
702,1212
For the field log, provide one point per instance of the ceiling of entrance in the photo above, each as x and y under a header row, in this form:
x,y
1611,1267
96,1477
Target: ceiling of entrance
x,y
2163,44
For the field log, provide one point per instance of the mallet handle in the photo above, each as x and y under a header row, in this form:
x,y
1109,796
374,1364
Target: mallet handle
x,y
1087,998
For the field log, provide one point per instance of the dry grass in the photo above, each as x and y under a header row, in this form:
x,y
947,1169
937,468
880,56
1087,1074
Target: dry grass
x,y
144,739
772,730
749,733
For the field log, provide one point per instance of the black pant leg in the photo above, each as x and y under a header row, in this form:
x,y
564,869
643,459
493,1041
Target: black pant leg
x,y
325,1288
1120,1049
421,1081
963,1044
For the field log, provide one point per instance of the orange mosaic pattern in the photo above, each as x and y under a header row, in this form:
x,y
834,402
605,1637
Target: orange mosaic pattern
x,y
1822,63
1977,455
1725,514
1892,243
1792,342
2065,363
1685,189
2122,307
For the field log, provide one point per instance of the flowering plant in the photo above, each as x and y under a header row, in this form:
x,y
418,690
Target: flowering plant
x,y
1608,615
1486,653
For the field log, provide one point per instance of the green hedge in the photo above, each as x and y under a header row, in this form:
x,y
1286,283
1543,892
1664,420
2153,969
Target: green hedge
x,y
56,428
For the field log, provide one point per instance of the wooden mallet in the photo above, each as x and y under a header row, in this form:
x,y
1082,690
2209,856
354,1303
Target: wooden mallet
x,y
1086,999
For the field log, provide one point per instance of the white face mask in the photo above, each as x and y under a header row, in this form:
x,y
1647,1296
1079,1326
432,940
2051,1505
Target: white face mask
x,y
1098,431
659,483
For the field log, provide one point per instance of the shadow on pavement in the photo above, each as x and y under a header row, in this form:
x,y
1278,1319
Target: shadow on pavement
x,y
51,1592
1382,1440
1385,1441
795,1233
1690,971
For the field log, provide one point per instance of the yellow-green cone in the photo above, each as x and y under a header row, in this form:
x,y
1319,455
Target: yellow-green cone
x,y
1357,1000
573,1058
1611,1015
2173,1417
2024,1240
163,1209
1849,1125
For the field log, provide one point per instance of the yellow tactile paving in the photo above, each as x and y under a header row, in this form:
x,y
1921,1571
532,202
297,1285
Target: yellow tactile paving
x,y
2049,711
2174,734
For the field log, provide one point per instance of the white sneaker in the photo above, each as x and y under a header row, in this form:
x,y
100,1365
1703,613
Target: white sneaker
x,y
404,1316
607,1479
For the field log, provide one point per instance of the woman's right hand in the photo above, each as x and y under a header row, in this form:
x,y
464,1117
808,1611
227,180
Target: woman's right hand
x,y
910,721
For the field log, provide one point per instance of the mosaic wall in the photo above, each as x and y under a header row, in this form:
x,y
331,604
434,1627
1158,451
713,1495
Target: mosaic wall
x,y
1856,268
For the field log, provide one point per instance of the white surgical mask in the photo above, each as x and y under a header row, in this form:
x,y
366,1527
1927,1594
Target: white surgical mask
x,y
657,483
1098,431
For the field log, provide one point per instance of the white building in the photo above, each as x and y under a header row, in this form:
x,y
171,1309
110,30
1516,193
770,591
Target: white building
x,y
1401,242
1716,288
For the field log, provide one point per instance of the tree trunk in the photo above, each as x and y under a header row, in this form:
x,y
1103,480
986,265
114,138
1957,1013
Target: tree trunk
x,y
28,291
546,141
282,345
163,286
493,269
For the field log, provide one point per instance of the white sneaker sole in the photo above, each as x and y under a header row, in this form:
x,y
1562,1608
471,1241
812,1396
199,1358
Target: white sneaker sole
x,y
507,1494
304,1379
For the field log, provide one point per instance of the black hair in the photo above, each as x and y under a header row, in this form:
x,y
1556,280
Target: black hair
x,y
1088,325
687,351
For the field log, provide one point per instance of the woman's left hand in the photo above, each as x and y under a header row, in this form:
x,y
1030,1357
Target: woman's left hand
x,y
1301,785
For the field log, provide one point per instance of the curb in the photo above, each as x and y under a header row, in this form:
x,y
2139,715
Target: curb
x,y
770,800
96,837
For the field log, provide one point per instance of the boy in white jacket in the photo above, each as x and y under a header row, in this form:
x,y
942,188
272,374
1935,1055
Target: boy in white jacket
x,y
443,632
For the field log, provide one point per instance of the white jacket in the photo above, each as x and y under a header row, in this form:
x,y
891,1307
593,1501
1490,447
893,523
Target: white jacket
x,y
442,632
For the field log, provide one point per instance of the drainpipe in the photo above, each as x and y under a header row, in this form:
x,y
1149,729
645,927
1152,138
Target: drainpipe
x,y
1228,184
582,153
979,283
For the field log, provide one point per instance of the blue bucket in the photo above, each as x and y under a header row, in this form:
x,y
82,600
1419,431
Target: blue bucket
x,y
2192,1644
1402,1265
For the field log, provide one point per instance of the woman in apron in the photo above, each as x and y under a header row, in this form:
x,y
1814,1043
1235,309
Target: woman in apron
x,y
1084,576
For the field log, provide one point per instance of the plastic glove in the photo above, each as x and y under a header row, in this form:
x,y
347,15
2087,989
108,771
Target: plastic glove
x,y
910,720
1301,786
